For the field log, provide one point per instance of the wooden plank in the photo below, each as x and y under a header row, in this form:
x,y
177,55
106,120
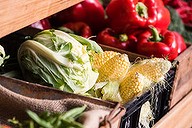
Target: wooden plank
x,y
180,116
182,82
132,56
16,14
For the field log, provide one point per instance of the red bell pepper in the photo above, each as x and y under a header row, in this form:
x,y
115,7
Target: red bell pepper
x,y
184,9
166,1
186,15
110,38
158,44
42,24
176,3
79,28
88,11
124,15
180,42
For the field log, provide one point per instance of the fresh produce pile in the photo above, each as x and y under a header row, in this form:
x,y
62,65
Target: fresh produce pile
x,y
77,64
120,80
129,25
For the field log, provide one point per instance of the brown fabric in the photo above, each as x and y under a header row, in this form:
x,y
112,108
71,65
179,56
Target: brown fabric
x,y
16,96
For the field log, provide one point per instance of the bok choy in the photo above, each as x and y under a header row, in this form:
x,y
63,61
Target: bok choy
x,y
3,56
60,60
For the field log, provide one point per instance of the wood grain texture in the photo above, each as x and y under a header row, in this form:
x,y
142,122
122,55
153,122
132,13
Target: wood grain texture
x,y
183,77
16,14
180,116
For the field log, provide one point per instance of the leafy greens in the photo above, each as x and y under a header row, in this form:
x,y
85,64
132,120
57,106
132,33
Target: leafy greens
x,y
60,60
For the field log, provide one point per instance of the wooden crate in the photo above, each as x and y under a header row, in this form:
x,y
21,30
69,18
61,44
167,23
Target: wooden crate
x,y
132,108
15,15
183,77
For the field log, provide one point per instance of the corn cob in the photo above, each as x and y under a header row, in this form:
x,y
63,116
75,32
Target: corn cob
x,y
154,68
114,69
141,75
98,59
132,85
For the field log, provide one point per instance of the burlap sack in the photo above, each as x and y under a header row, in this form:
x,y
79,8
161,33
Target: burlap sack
x,y
16,96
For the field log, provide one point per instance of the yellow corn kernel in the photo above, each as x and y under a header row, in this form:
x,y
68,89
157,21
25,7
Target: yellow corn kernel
x,y
142,75
114,69
100,58
154,68
132,85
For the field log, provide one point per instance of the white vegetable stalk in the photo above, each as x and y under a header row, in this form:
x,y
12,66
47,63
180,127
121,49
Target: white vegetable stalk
x,y
58,59
46,52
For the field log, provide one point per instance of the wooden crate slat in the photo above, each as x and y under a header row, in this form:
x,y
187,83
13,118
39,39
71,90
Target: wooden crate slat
x,y
21,13
182,83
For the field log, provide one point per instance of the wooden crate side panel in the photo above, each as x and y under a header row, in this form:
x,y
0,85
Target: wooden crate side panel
x,y
180,116
183,77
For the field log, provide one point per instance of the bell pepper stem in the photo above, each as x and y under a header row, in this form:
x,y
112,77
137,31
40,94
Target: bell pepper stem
x,y
155,34
123,37
141,9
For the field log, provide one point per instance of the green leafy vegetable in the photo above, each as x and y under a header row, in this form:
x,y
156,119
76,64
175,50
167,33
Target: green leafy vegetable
x,y
40,121
59,60
51,120
108,90
176,22
111,91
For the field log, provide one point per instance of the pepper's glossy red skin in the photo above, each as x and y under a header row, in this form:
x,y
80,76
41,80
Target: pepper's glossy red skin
x,y
88,11
122,15
109,37
167,48
79,28
180,42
